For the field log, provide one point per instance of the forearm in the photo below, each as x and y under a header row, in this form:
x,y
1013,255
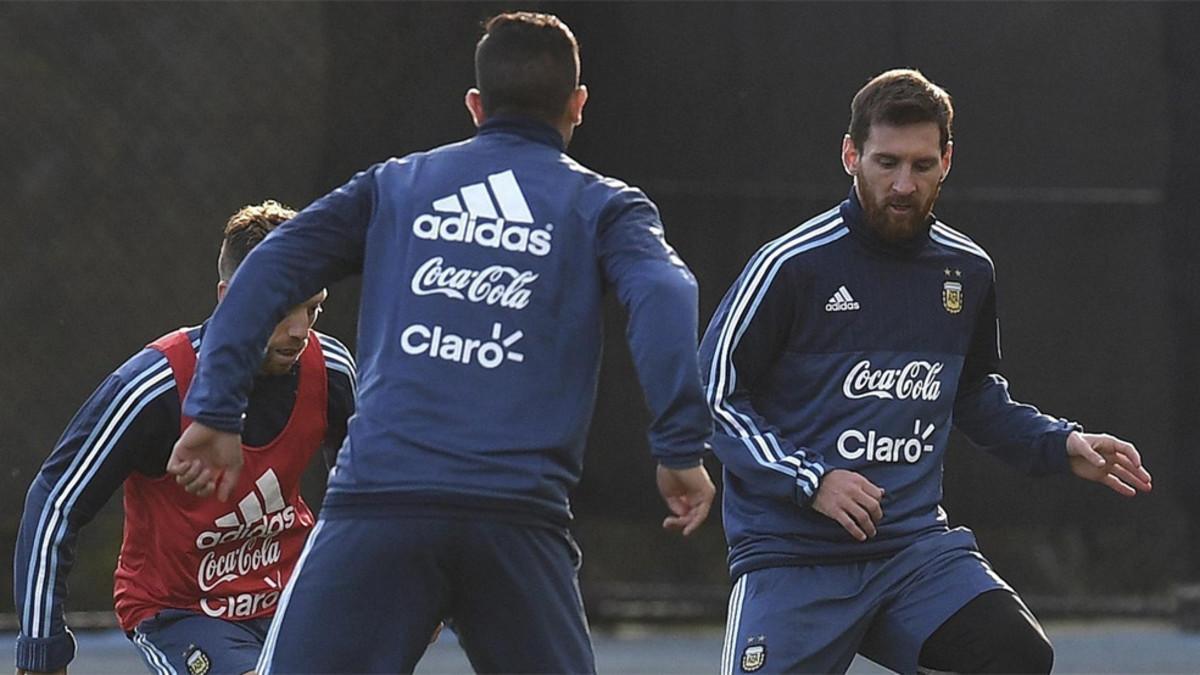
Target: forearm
x,y
322,244
45,551
775,467
662,338
1017,433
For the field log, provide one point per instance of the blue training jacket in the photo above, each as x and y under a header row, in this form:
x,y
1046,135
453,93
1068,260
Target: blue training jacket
x,y
483,268
835,349
127,426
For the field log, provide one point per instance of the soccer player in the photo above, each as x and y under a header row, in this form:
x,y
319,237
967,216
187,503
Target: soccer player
x,y
197,581
484,264
835,367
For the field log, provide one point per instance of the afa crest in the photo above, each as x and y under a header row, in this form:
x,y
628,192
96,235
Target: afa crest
x,y
753,657
197,661
952,296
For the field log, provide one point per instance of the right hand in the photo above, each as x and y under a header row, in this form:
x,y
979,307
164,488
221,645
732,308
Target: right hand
x,y
689,494
851,500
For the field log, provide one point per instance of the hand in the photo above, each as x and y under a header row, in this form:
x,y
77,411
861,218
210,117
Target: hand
x,y
1109,461
689,494
203,456
852,500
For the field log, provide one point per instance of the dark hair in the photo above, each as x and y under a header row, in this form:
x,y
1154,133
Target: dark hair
x,y
526,63
899,97
245,229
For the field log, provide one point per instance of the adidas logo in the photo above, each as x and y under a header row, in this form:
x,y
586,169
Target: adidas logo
x,y
508,196
254,517
484,214
842,301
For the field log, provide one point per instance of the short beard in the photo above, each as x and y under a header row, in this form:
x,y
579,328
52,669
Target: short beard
x,y
890,229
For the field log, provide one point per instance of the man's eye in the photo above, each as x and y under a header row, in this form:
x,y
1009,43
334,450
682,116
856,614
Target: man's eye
x,y
887,163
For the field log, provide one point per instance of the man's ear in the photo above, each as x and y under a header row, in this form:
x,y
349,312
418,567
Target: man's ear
x,y
947,155
575,104
850,156
474,103
222,286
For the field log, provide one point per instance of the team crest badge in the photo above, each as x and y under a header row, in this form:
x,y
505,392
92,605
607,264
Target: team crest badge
x,y
197,661
753,658
952,296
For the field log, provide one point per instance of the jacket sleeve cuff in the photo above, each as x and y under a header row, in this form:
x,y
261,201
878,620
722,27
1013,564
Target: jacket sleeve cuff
x,y
1057,460
44,655
224,423
682,461
806,486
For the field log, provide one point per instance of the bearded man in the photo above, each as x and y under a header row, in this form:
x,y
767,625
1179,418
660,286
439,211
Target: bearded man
x,y
835,367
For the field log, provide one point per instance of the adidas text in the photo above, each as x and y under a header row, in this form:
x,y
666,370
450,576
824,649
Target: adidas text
x,y
268,526
841,301
468,229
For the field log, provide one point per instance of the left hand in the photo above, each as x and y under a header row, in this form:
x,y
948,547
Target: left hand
x,y
1109,461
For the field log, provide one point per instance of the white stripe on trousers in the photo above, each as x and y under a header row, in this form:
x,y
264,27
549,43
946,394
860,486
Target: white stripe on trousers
x,y
733,623
154,657
268,650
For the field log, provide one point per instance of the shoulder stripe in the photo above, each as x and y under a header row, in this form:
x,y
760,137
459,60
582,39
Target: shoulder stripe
x,y
751,288
335,360
52,523
336,364
332,344
339,364
954,239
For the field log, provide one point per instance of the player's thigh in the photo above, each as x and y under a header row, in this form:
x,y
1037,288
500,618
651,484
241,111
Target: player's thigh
x,y
365,597
993,633
795,620
179,641
517,605
932,580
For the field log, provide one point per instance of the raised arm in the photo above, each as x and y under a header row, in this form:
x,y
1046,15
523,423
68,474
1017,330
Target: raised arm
x,y
322,244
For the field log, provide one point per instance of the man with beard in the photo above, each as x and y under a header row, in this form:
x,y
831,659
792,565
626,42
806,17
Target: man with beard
x,y
834,368
197,581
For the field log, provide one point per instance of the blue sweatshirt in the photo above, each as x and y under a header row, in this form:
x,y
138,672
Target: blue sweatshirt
x,y
835,349
129,425
483,267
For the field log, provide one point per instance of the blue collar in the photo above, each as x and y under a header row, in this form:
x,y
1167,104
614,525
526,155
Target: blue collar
x,y
524,126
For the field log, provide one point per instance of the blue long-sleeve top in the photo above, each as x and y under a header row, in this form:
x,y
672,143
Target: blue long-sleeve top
x,y
483,266
835,349
129,425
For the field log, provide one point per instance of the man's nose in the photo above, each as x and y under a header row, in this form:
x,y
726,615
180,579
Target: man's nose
x,y
904,184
